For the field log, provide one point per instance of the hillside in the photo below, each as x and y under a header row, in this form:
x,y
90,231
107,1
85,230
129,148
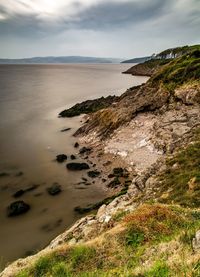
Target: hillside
x,y
137,60
64,59
150,226
149,67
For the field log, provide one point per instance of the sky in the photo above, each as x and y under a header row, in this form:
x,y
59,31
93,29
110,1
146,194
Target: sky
x,y
100,28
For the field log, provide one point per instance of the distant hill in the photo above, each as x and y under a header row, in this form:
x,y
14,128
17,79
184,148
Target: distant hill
x,y
137,60
63,59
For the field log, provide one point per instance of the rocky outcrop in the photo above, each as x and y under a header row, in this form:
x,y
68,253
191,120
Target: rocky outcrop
x,y
89,106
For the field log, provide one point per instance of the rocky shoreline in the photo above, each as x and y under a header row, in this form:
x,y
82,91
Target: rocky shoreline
x,y
131,146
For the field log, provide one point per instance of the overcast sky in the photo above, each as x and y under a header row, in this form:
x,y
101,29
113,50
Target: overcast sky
x,y
103,28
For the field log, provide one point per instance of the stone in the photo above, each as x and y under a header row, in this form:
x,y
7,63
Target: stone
x,y
4,174
85,150
73,157
196,241
17,208
54,189
22,191
118,171
19,193
65,130
76,145
77,166
114,183
93,174
61,158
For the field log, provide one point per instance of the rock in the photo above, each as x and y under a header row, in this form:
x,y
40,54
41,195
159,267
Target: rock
x,y
61,158
118,171
196,241
192,184
4,174
76,145
89,106
22,191
65,130
54,189
19,193
17,208
107,163
77,166
101,211
103,180
115,183
111,176
73,157
32,187
85,150
93,174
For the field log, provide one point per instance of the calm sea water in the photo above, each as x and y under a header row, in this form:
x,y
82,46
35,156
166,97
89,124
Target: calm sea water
x,y
31,96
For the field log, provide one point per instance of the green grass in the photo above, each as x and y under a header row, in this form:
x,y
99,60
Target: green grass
x,y
179,71
119,254
177,180
160,269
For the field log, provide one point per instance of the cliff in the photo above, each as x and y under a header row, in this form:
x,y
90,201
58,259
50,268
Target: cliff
x,y
152,227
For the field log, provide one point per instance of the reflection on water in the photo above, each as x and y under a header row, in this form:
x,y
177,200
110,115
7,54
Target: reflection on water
x,y
30,98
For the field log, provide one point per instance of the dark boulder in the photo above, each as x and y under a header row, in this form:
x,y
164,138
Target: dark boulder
x,y
73,157
17,208
77,166
85,150
118,171
4,174
54,189
19,193
93,174
76,145
61,158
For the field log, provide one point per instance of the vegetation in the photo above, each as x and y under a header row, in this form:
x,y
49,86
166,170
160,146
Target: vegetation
x,y
181,180
121,253
180,70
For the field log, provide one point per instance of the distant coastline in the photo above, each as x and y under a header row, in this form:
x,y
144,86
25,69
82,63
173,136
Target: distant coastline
x,y
61,59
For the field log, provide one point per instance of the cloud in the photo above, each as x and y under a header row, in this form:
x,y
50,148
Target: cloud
x,y
96,26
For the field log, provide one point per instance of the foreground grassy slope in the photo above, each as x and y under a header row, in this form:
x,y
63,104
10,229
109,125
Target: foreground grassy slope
x,y
154,240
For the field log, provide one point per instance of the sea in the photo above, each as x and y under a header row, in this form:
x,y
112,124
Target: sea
x,y
31,97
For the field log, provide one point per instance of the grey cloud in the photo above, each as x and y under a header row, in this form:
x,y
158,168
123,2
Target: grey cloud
x,y
98,16
137,27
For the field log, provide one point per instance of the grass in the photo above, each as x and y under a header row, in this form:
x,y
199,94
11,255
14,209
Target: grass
x,y
182,177
123,252
179,71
